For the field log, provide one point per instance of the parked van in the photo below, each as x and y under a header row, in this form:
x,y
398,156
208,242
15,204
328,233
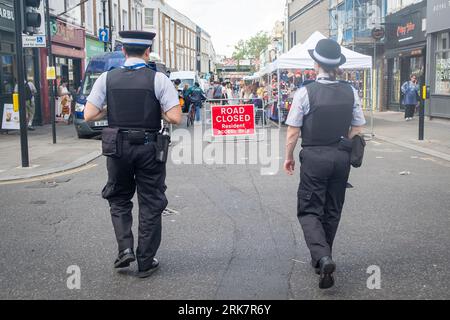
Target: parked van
x,y
186,77
95,68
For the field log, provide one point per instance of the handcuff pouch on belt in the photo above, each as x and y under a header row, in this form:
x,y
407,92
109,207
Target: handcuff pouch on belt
x,y
111,143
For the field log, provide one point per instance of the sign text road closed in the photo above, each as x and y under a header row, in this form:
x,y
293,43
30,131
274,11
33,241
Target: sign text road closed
x,y
233,120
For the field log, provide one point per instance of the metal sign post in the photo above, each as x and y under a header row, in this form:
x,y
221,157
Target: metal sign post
x,y
21,85
51,64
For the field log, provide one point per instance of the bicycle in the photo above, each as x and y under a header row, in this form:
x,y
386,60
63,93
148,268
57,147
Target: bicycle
x,y
191,115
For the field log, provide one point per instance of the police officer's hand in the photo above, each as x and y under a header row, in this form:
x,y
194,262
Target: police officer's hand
x,y
289,167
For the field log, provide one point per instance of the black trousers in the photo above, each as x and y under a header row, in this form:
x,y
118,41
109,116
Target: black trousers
x,y
137,168
410,110
321,195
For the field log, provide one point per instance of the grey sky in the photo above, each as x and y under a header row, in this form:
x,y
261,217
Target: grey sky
x,y
228,21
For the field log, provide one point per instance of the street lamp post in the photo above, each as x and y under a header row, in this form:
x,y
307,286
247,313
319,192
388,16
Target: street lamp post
x,y
104,22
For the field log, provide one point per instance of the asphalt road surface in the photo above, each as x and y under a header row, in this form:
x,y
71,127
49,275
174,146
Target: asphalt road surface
x,y
234,235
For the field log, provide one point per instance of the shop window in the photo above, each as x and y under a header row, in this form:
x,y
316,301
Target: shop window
x,y
29,63
417,67
149,14
396,80
7,47
7,75
442,85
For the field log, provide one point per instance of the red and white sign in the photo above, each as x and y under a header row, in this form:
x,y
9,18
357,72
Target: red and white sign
x,y
229,121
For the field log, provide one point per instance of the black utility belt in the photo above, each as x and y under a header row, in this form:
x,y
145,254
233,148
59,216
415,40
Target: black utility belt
x,y
139,137
343,144
112,139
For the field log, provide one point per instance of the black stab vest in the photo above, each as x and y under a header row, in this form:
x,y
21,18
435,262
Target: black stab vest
x,y
131,99
330,115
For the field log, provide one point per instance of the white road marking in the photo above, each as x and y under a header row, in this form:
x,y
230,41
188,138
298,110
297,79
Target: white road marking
x,y
299,261
56,175
30,167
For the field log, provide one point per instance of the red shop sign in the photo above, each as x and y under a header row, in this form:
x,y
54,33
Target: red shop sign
x,y
229,121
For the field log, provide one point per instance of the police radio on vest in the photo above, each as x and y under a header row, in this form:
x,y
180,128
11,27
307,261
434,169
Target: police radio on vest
x,y
233,115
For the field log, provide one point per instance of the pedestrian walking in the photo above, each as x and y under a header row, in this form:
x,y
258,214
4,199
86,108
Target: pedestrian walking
x,y
30,93
186,92
197,97
411,94
137,100
218,91
327,114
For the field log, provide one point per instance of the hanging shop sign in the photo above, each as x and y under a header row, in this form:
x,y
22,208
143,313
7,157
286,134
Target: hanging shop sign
x,y
378,33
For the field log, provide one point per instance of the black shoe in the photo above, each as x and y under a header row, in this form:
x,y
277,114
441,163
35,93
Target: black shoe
x,y
124,259
147,273
327,268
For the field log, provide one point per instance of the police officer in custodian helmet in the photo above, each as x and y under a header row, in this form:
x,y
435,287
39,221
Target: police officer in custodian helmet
x,y
327,114
137,99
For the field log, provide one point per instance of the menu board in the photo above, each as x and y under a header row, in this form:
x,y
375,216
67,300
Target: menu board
x,y
11,119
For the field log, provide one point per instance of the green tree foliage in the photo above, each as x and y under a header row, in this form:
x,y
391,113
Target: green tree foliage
x,y
251,48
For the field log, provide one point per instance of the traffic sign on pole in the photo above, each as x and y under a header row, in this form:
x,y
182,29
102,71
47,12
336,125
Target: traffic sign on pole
x,y
103,35
233,121
36,41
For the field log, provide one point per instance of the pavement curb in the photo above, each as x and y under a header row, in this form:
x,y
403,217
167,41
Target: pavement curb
x,y
80,162
436,154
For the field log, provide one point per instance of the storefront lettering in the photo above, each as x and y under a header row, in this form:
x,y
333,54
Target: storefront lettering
x,y
404,30
441,6
6,14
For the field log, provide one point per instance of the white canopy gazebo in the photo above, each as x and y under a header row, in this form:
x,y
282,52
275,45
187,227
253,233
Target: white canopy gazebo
x,y
298,58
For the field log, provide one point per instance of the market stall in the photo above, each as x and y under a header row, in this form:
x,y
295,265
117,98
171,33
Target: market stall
x,y
295,67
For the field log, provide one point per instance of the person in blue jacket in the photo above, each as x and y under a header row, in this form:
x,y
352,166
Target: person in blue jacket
x,y
411,93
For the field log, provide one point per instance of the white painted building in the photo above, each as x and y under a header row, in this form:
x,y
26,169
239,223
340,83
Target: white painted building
x,y
179,42
125,15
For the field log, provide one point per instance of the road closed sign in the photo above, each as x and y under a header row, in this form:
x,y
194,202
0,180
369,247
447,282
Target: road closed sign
x,y
229,121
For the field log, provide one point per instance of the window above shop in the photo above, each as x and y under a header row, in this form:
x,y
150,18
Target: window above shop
x,y
442,42
148,16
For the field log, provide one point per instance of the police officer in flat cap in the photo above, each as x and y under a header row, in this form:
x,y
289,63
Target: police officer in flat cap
x,y
135,100
327,114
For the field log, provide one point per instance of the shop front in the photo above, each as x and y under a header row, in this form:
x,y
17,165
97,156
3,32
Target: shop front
x,y
438,77
7,52
405,53
68,48
8,67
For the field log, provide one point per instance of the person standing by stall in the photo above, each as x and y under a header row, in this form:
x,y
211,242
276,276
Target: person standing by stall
x,y
411,94
327,114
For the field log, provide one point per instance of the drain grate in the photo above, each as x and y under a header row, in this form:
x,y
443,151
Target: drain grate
x,y
38,203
